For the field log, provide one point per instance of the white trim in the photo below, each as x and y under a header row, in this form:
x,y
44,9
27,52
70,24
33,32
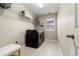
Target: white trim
x,y
50,40
59,48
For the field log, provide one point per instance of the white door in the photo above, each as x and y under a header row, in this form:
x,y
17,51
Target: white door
x,y
76,32
66,26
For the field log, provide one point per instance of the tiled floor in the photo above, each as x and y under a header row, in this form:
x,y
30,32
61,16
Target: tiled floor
x,y
48,48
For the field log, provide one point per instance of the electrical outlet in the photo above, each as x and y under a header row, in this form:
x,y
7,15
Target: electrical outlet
x,y
16,42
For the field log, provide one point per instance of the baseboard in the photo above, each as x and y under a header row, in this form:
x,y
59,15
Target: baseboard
x,y
59,48
50,40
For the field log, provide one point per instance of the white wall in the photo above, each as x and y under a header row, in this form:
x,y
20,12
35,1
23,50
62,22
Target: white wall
x,y
49,35
12,26
66,25
77,23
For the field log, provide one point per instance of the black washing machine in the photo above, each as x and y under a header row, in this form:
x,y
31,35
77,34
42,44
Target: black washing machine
x,y
33,38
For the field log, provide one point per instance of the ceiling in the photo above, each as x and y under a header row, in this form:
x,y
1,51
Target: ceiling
x,y
48,8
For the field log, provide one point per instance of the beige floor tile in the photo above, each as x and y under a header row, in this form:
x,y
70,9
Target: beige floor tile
x,y
48,48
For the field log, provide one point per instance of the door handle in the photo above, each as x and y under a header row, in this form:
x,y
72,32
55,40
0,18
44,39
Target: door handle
x,y
70,36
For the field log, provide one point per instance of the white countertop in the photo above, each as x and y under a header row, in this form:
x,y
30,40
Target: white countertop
x,y
6,50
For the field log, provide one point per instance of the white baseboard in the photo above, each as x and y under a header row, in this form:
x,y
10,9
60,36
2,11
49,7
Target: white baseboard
x,y
59,48
50,40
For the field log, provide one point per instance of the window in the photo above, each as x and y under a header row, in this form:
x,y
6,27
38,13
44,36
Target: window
x,y
50,23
